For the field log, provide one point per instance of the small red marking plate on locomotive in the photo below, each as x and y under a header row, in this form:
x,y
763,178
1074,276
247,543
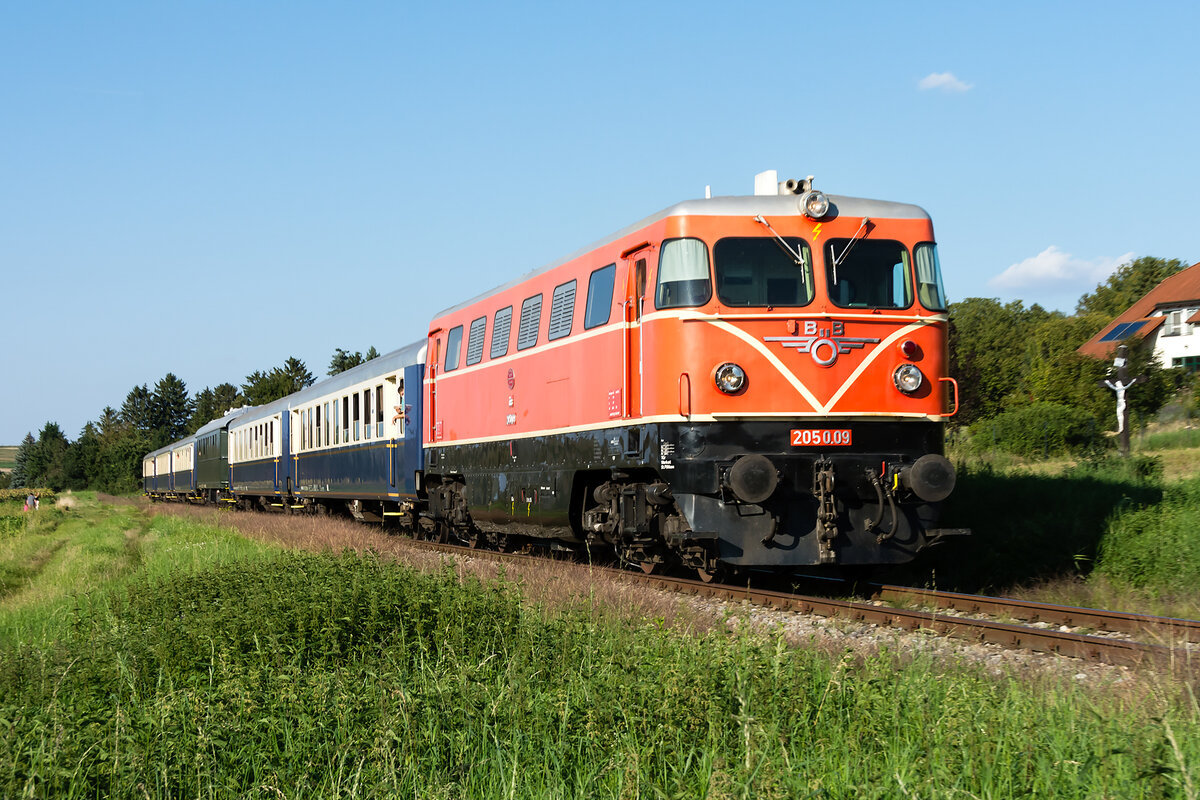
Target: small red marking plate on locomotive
x,y
821,437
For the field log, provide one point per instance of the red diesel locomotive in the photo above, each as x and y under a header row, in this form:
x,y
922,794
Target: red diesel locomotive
x,y
732,382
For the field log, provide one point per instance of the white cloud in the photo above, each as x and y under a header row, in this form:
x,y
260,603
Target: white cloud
x,y
943,81
1052,267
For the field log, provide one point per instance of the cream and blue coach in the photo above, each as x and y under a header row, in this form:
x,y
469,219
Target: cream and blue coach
x,y
355,438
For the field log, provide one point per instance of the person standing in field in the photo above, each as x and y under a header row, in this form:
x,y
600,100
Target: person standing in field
x,y
30,500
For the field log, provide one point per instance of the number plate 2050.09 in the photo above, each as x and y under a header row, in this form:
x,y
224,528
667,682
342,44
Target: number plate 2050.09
x,y
820,437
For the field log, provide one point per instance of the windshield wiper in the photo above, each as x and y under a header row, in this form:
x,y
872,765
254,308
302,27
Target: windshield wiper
x,y
853,240
799,259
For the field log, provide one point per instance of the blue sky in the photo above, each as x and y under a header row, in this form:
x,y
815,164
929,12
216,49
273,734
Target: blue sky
x,y
210,188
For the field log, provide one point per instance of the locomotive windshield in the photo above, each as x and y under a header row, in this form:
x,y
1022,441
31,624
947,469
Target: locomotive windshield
x,y
761,271
868,273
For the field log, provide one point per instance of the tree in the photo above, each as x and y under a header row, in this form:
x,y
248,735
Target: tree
x,y
1126,286
20,475
45,463
988,354
170,408
263,387
135,411
343,359
214,403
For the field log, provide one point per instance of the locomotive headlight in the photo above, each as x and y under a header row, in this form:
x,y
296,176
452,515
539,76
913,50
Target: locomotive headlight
x,y
814,204
908,378
730,378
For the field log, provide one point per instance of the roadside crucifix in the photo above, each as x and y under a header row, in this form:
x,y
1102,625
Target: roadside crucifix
x,y
1122,385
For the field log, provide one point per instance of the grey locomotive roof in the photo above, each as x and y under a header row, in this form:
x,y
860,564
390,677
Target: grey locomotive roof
x,y
747,205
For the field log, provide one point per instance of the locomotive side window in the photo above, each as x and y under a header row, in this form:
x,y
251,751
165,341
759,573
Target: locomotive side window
x,y
453,346
868,273
562,310
929,277
475,341
760,272
599,297
501,327
683,274
531,320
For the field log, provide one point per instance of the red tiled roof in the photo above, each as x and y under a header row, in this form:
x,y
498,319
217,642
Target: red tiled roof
x,y
1182,287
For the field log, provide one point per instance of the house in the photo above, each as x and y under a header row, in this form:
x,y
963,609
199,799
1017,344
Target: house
x,y
1166,319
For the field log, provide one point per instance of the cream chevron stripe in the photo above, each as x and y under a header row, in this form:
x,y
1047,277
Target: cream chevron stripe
x,y
867,362
761,347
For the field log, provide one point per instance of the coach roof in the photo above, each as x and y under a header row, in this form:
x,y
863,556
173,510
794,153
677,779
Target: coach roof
x,y
388,362
735,206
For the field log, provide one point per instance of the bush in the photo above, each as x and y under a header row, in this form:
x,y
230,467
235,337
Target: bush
x,y
1039,430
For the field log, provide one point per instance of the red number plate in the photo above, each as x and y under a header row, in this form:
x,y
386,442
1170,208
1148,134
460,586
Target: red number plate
x,y
821,437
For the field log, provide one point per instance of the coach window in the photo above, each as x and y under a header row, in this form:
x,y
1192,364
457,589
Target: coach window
x,y
346,419
562,310
599,297
475,341
683,274
337,431
763,272
868,273
379,410
312,416
929,277
501,327
531,320
325,438
453,346
357,415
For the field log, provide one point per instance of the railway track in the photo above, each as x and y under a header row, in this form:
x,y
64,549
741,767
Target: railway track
x,y
1127,639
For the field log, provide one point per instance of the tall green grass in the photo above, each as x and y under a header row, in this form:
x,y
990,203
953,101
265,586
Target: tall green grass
x,y
321,676
1156,547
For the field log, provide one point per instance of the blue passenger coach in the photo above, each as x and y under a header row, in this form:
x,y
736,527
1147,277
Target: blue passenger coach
x,y
260,464
355,438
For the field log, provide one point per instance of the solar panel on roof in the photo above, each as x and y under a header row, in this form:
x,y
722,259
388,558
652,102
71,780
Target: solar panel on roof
x,y
1123,331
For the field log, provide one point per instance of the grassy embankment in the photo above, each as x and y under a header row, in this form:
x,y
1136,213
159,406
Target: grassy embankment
x,y
169,656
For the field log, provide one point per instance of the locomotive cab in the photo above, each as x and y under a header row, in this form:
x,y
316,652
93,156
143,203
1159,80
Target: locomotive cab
x,y
808,357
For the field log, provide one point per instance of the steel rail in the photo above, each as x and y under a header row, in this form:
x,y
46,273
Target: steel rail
x,y
1168,629
1124,652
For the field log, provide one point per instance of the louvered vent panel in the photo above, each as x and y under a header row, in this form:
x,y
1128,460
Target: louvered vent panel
x,y
562,310
475,341
531,317
500,330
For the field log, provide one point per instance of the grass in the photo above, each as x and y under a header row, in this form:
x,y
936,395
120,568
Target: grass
x,y
305,674
8,456
54,559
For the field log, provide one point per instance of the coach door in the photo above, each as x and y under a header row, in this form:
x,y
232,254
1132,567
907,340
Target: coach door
x,y
635,301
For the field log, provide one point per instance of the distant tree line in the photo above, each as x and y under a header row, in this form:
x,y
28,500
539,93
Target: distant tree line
x,y
107,456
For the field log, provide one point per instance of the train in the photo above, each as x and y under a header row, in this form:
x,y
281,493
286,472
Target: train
x,y
732,383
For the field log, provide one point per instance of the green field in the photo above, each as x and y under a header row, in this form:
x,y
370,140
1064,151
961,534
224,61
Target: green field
x,y
169,656
8,456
